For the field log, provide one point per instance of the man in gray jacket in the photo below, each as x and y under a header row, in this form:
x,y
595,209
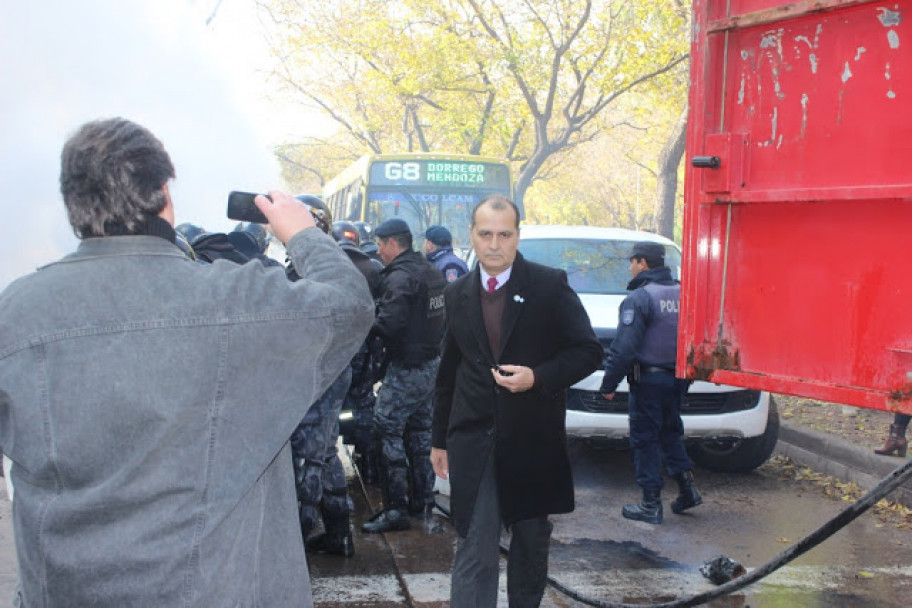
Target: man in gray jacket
x,y
146,401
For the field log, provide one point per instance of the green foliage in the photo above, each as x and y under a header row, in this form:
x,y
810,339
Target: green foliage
x,y
543,83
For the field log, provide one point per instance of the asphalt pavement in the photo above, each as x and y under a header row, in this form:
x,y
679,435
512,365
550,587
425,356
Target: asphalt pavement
x,y
822,452
833,455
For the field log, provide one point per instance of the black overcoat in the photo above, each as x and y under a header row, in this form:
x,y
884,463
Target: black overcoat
x,y
544,327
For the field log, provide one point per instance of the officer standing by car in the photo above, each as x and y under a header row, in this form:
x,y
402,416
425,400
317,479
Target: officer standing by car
x,y
438,247
410,320
644,350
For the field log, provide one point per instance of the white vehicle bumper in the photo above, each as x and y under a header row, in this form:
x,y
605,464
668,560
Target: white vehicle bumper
x,y
745,423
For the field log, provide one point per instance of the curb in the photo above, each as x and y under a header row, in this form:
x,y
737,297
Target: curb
x,y
837,457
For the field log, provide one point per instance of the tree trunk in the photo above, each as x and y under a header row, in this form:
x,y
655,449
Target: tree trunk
x,y
667,182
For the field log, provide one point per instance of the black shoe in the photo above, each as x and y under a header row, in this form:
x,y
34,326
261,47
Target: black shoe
x,y
387,521
334,544
649,510
688,496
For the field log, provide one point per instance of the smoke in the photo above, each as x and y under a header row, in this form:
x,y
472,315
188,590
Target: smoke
x,y
151,61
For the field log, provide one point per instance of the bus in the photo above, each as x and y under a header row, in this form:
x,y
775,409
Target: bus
x,y
421,188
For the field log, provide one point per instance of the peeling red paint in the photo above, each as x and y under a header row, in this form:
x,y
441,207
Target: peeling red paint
x,y
795,246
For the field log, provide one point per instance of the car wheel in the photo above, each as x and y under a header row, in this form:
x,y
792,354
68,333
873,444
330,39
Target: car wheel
x,y
739,455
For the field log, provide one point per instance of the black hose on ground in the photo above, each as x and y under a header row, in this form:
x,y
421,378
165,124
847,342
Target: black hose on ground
x,y
898,477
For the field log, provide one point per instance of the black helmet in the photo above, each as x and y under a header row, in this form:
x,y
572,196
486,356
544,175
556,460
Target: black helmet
x,y
319,210
181,241
346,231
189,231
258,232
365,230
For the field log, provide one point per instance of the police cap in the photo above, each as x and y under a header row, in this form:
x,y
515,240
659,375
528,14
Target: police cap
x,y
649,250
438,235
392,226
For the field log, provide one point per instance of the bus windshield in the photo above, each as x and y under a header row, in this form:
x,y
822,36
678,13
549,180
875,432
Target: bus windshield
x,y
421,189
421,209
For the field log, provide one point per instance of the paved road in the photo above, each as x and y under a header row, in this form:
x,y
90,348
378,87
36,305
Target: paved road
x,y
750,518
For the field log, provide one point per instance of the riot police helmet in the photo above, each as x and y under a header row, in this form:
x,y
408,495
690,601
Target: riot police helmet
x,y
346,231
184,245
189,231
319,210
256,231
365,230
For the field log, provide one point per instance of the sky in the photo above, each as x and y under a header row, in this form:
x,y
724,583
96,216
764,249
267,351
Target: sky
x,y
201,89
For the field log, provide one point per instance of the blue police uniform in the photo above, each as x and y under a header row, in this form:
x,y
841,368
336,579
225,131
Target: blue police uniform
x,y
448,263
647,338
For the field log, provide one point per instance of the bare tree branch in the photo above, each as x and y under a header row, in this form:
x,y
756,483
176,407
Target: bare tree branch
x,y
306,168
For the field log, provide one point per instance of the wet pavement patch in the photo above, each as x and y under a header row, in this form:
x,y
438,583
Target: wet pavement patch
x,y
591,554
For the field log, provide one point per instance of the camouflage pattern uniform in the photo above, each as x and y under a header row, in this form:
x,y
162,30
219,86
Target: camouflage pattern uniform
x,y
360,400
319,474
402,419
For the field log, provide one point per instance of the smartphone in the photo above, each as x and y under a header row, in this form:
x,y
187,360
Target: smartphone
x,y
242,208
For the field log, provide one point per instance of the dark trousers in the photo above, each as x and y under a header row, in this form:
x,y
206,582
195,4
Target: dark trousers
x,y
402,421
319,475
476,566
656,428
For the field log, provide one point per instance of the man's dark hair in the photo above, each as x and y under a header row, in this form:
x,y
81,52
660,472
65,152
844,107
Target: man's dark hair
x,y
111,177
403,239
650,262
498,203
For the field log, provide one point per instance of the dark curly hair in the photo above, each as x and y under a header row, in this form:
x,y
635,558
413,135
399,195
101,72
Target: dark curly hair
x,y
111,177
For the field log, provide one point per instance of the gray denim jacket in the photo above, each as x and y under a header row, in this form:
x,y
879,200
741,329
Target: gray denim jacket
x,y
146,402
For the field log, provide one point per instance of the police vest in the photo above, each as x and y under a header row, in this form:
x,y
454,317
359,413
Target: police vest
x,y
427,316
660,341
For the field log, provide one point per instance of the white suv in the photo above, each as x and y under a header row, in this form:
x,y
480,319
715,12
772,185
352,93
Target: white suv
x,y
726,428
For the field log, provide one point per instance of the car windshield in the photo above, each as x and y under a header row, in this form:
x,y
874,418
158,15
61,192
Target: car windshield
x,y
596,266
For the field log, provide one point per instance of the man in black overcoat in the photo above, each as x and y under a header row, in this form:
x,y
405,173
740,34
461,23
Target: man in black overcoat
x,y
517,337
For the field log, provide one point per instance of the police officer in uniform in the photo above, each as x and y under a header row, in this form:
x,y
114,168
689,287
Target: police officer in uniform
x,y
320,476
410,321
644,349
367,244
320,482
365,365
438,247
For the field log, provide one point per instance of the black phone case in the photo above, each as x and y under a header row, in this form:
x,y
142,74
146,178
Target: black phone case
x,y
242,208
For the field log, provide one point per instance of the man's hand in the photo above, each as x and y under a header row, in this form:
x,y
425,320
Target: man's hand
x,y
608,396
440,464
520,381
287,215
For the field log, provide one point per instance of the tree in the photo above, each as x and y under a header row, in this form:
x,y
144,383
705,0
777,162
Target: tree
x,y
522,79
667,184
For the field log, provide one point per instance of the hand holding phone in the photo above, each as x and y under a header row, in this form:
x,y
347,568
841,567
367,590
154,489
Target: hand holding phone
x,y
286,215
514,378
242,208
501,371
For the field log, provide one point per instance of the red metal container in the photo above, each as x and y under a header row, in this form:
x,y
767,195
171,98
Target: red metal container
x,y
797,272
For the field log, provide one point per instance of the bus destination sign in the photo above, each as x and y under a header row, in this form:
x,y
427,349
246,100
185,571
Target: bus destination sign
x,y
449,173
438,173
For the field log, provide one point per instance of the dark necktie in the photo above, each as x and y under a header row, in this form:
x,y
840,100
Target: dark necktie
x,y
492,284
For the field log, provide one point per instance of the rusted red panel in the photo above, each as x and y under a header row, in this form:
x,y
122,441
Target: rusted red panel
x,y
797,247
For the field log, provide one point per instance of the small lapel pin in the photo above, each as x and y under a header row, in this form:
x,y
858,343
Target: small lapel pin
x,y
518,298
